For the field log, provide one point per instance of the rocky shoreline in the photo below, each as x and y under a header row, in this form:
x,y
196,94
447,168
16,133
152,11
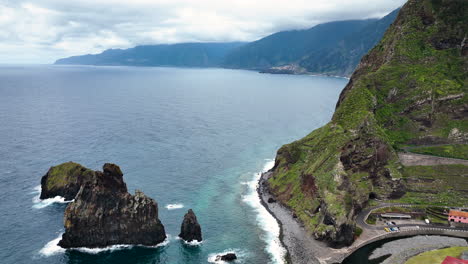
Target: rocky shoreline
x,y
301,247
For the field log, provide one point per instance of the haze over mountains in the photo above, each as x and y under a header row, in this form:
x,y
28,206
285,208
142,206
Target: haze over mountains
x,y
333,48
179,55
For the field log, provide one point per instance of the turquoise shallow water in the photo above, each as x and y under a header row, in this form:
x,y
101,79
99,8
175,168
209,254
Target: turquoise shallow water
x,y
189,138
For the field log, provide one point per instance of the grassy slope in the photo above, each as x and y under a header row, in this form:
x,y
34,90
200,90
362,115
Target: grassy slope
x,y
436,185
458,151
67,172
437,256
379,110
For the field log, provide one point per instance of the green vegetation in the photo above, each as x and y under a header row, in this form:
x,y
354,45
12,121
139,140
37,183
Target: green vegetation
x,y
438,215
372,219
444,185
64,173
458,151
290,46
343,57
436,256
331,48
395,209
410,89
357,231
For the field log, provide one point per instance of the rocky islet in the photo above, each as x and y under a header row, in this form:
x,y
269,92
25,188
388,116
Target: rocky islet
x,y
190,229
103,212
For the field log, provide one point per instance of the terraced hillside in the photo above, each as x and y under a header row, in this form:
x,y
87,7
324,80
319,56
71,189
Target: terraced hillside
x,y
409,91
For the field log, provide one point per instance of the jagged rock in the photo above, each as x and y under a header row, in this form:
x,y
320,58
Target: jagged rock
x,y
190,229
105,214
271,200
64,180
226,257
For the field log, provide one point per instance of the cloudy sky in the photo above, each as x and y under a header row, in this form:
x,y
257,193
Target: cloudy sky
x,y
41,31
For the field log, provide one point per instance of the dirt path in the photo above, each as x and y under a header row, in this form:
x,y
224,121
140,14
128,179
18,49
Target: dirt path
x,y
412,159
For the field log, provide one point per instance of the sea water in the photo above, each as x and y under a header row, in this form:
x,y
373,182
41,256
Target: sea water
x,y
189,138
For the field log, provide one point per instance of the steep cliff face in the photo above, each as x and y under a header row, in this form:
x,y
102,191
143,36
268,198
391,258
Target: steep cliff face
x,y
410,89
104,214
64,180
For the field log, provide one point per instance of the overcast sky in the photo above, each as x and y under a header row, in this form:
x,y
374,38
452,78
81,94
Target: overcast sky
x,y
41,31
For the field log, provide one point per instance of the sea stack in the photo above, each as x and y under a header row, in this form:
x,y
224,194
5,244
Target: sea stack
x,y
64,180
190,229
105,214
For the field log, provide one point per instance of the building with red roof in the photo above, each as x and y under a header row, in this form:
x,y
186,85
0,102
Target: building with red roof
x,y
452,260
458,216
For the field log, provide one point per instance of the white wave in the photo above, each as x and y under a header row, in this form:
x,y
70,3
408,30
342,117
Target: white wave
x,y
174,206
119,247
38,203
212,257
99,250
265,220
191,243
52,248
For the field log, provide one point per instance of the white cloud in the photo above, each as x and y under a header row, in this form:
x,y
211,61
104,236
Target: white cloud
x,y
41,31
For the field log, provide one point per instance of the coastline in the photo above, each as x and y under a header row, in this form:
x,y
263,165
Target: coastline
x,y
300,246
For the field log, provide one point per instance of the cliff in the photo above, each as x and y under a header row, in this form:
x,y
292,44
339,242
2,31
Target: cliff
x,y
64,180
342,58
105,214
288,47
410,89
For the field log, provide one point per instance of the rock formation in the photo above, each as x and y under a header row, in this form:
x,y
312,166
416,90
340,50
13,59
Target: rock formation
x,y
105,214
226,257
64,180
190,229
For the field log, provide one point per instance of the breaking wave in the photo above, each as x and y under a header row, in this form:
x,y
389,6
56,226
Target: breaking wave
x,y
38,203
174,206
264,219
239,254
52,248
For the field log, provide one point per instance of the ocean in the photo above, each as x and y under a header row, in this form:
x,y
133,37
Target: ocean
x,y
189,138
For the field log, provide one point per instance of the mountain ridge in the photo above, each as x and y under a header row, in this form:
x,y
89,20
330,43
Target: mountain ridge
x,y
286,47
194,54
292,51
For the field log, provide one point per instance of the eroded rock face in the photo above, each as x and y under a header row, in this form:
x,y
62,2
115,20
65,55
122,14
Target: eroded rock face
x,y
190,229
105,214
65,180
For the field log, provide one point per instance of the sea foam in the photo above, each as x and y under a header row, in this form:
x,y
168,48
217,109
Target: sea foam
x,y
191,243
264,219
174,206
38,203
52,248
239,254
119,247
